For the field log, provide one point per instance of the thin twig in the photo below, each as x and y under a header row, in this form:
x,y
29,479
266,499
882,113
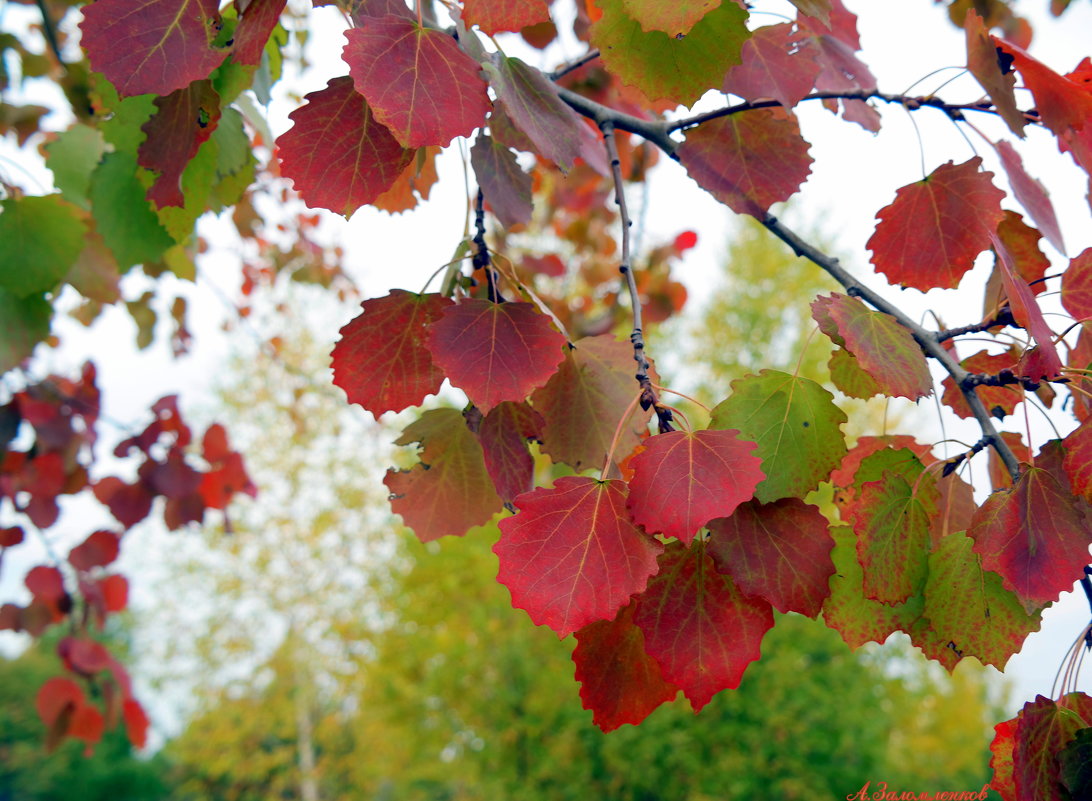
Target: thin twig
x,y
482,260
572,66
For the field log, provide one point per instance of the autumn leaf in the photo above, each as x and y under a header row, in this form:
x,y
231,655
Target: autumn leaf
x,y
1001,748
256,23
151,46
682,480
997,400
98,550
337,154
42,238
795,424
1075,764
970,608
572,556
882,347
930,235
748,161
982,63
495,351
778,551
1043,728
417,81
412,185
1034,536
1031,194
1077,288
698,626
183,121
619,682
584,401
674,19
506,187
449,491
1063,104
381,360
1078,460
848,376
772,66
504,434
663,67
496,16
1027,313
833,43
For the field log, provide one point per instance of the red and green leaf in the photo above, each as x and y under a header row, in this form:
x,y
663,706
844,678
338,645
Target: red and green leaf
x,y
1078,460
997,400
983,64
1043,729
779,551
572,556
183,121
698,626
674,19
496,16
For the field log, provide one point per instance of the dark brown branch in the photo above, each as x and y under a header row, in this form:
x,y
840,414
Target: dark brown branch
x,y
482,259
572,66
1003,318
637,337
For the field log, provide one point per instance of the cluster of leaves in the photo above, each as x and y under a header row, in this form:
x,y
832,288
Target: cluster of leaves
x,y
47,450
668,563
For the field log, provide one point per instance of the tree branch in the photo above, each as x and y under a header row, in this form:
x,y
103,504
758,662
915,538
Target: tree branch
x,y
482,260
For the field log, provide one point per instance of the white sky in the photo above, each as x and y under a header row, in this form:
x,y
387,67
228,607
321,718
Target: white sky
x,y
854,175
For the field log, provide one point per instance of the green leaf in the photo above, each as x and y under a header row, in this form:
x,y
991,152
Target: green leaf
x,y
72,157
198,180
122,215
796,425
969,606
678,70
26,323
42,237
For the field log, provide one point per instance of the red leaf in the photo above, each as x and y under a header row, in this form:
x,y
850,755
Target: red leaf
x,y
381,360
834,46
1043,729
1035,536
1001,748
84,656
450,490
1004,399
417,81
748,161
151,46
1062,103
337,154
87,724
495,16
506,187
1078,460
531,101
98,550
172,478
584,401
47,585
778,551
982,63
183,120
257,22
136,722
1022,243
883,348
128,503
219,486
619,682
214,444
681,481
57,697
929,236
503,435
1031,194
698,626
1077,288
774,67
685,241
1027,313
10,536
115,592
495,351
572,556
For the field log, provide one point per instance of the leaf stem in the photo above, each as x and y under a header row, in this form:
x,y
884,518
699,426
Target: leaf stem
x,y
618,434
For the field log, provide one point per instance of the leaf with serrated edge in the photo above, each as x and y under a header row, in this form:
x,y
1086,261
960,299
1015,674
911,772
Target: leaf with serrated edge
x,y
884,349
698,626
846,374
1043,728
969,606
857,618
683,480
504,433
1062,103
496,16
932,232
1031,194
450,490
1003,398
151,46
778,551
495,351
417,81
257,22
1077,287
1034,536
1078,460
663,67
674,19
748,161
506,187
572,556
1001,759
381,360
772,67
337,154
795,424
619,682
892,519
982,63
584,401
